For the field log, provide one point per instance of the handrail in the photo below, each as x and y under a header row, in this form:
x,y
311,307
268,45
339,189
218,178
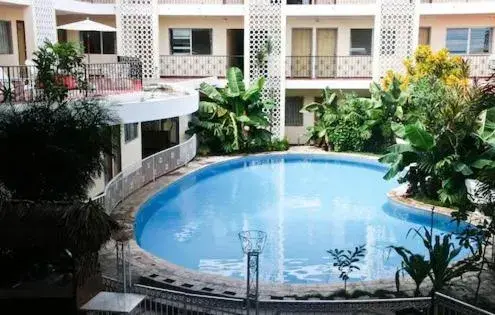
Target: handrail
x,y
145,171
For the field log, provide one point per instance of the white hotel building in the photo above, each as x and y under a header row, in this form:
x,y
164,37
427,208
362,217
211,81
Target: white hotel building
x,y
301,46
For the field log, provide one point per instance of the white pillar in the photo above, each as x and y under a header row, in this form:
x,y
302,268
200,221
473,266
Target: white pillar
x,y
265,24
44,23
137,34
395,35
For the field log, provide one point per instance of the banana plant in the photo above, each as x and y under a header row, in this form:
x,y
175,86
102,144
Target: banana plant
x,y
233,117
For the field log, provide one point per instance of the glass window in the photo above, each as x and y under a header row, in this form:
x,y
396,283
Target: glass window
x,y
91,41
201,41
62,35
180,41
479,40
5,38
190,41
361,41
109,40
293,116
457,40
130,131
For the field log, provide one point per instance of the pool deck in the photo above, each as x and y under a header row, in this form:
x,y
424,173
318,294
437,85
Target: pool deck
x,y
152,270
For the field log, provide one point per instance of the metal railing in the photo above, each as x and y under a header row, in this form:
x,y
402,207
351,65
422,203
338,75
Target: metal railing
x,y
161,301
331,2
147,170
200,1
21,84
198,65
99,1
342,67
478,65
454,1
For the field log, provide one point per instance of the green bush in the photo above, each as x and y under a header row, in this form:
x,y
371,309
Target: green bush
x,y
234,119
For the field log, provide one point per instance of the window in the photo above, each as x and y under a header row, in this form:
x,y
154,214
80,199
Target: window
x,y
424,36
184,41
98,42
5,38
62,36
361,41
469,40
293,115
131,131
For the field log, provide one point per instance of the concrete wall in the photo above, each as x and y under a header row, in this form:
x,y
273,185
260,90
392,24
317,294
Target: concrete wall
x,y
130,151
342,24
13,14
439,25
218,24
73,36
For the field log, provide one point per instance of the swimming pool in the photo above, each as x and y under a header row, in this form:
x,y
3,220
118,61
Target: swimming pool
x,y
305,203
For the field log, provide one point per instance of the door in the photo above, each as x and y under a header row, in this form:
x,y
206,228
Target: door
x,y
235,48
301,53
326,50
21,42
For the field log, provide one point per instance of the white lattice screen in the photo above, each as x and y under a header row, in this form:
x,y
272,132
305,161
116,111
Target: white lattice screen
x,y
137,33
44,21
397,25
265,27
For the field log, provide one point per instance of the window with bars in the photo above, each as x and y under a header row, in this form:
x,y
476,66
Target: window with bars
x,y
131,131
293,115
469,40
185,41
5,38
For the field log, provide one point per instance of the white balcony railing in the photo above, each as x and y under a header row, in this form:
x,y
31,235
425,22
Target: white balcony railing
x,y
198,65
331,2
328,67
478,65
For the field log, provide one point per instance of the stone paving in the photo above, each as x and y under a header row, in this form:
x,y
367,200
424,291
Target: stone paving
x,y
153,270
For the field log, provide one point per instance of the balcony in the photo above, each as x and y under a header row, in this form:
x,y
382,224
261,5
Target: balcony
x,y
99,1
478,65
331,2
198,65
21,84
328,67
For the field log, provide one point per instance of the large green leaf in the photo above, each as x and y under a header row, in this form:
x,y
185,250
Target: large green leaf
x,y
235,82
212,93
419,137
312,107
398,129
254,90
395,161
463,169
482,163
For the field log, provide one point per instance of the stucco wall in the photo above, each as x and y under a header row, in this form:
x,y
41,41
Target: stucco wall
x,y
13,14
342,24
73,36
218,24
130,151
439,25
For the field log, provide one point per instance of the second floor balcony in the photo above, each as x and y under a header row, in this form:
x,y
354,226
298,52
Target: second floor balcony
x,y
328,67
198,65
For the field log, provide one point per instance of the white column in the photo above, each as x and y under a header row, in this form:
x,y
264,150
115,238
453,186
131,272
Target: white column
x,y
395,34
137,34
265,25
44,23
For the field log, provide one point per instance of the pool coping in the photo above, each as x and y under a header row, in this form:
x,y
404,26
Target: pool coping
x,y
156,271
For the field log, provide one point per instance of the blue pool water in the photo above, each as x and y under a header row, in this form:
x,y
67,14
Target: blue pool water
x,y
307,204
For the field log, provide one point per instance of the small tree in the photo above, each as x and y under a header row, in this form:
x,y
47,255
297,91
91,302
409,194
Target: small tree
x,y
345,261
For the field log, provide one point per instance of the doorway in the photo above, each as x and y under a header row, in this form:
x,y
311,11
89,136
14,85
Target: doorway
x,y
235,48
301,52
326,50
21,42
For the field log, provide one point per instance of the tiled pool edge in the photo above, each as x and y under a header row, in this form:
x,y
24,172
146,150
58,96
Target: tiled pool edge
x,y
170,275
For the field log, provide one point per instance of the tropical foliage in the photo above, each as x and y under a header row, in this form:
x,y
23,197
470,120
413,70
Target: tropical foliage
x,y
235,118
450,70
346,261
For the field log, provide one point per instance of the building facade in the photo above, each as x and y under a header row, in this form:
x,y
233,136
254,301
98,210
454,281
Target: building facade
x,y
301,46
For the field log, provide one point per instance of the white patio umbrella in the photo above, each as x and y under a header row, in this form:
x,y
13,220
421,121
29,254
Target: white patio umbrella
x,y
87,25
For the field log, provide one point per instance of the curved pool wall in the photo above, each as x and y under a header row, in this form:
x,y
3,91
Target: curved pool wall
x,y
307,204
